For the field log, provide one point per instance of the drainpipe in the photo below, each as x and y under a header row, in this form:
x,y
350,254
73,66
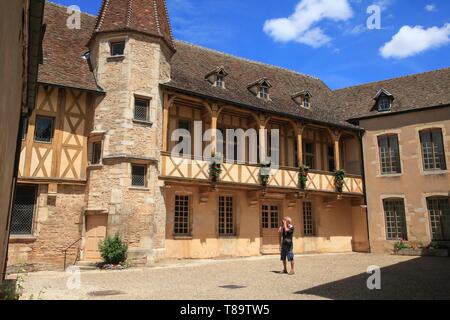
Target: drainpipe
x,y
361,146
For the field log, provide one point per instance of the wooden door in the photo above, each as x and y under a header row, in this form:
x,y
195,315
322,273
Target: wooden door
x,y
95,233
270,223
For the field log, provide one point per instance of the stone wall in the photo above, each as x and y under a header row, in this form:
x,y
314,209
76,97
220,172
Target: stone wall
x,y
57,224
413,184
137,214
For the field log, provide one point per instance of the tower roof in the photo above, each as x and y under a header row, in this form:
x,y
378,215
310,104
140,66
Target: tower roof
x,y
144,16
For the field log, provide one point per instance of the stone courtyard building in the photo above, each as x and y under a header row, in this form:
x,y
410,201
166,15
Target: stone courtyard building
x,y
96,156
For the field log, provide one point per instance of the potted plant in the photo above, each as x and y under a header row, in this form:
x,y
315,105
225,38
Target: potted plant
x,y
215,169
339,177
303,176
264,173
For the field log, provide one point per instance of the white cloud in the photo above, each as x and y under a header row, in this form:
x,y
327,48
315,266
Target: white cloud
x,y
430,7
301,25
410,41
383,4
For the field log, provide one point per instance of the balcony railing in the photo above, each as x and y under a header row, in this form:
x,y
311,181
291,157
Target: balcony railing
x,y
287,178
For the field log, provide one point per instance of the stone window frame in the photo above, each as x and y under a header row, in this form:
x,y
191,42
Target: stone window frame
x,y
151,110
234,215
399,160
388,197
425,196
40,196
377,153
420,131
145,166
112,43
190,196
117,39
95,137
430,220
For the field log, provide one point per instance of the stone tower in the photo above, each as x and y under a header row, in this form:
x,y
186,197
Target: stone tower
x,y
130,52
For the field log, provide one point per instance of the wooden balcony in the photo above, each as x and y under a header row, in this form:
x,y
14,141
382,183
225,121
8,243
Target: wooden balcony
x,y
175,168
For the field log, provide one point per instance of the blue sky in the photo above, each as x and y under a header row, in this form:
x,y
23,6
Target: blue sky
x,y
328,39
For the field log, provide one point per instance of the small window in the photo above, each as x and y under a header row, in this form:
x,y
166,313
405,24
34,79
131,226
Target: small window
x,y
264,92
141,110
309,155
389,154
117,48
23,210
439,210
23,127
331,159
308,221
384,103
394,210
433,150
226,216
182,215
96,153
138,175
220,81
44,129
306,102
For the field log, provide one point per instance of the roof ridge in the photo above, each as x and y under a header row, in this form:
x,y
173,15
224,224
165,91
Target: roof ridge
x,y
65,7
390,79
249,60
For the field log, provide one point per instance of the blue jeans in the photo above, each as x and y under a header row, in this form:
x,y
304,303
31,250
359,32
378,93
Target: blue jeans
x,y
287,253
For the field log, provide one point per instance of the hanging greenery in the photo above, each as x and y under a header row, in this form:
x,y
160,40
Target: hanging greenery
x,y
303,176
339,177
264,173
215,169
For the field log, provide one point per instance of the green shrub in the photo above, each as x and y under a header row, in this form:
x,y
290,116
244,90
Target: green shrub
x,y
113,250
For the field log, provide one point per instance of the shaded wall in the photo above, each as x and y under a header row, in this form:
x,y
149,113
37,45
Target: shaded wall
x,y
11,82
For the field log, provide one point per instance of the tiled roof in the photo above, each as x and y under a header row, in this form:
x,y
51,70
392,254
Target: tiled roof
x,y
147,16
191,64
63,50
64,65
413,92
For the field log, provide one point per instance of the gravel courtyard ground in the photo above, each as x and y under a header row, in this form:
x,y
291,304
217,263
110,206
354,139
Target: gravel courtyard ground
x,y
340,276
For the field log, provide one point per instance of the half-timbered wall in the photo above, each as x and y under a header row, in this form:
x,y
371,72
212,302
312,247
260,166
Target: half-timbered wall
x,y
65,157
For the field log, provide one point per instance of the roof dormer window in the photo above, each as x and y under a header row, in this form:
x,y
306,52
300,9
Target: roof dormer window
x,y
217,77
383,101
261,88
303,99
220,81
264,92
384,104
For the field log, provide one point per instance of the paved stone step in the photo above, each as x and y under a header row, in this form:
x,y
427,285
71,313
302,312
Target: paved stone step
x,y
87,265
